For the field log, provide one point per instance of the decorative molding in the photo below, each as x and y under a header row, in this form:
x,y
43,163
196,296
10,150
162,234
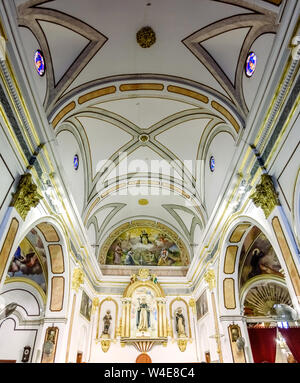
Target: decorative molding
x,y
29,15
265,195
26,196
258,23
77,279
210,279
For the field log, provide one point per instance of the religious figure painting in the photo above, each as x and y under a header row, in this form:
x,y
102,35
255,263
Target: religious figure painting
x,y
201,305
144,246
260,258
86,306
143,313
30,261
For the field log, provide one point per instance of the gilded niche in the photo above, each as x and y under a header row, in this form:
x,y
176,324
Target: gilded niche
x,y
26,196
265,195
144,243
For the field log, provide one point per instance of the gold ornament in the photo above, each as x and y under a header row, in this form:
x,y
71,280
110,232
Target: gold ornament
x,y
182,344
95,305
26,196
192,304
210,278
265,195
77,279
144,273
105,344
145,37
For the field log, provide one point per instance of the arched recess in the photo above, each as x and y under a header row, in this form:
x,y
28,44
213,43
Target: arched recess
x,y
52,237
229,287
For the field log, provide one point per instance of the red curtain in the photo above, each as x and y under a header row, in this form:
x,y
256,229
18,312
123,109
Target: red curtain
x,y
292,339
263,344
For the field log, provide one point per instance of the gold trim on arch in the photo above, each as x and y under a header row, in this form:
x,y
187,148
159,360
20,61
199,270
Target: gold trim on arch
x,y
229,294
108,299
259,278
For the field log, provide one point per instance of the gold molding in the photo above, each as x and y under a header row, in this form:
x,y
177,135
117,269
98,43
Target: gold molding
x,y
188,93
77,279
140,86
96,93
8,244
238,232
68,108
230,257
226,114
57,293
229,294
287,255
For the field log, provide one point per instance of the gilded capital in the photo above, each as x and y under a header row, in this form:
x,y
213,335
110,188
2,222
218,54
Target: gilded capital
x,y
210,278
26,196
192,304
95,304
265,195
77,279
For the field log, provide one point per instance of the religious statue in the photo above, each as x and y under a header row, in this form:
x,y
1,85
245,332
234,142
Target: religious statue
x,y
143,316
180,323
106,319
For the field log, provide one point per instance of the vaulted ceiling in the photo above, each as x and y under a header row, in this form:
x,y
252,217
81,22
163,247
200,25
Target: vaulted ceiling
x,y
145,121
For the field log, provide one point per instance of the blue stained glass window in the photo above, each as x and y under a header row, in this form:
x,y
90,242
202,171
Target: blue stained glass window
x,y
76,162
212,163
250,64
39,62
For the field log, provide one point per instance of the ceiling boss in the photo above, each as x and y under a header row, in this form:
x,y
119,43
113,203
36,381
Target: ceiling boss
x,y
146,37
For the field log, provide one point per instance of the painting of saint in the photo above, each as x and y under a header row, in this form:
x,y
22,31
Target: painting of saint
x,y
86,306
144,246
260,258
201,306
29,260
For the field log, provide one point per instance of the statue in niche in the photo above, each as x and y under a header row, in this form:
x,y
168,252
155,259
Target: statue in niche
x,y
143,315
180,323
106,319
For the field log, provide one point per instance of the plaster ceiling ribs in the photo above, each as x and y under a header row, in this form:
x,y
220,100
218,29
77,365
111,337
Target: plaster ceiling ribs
x,y
258,24
29,16
188,231
99,226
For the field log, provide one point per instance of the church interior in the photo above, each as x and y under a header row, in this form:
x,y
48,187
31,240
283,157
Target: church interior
x,y
149,181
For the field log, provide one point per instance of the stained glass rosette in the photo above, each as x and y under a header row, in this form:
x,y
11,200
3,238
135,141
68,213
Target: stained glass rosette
x,y
250,64
39,62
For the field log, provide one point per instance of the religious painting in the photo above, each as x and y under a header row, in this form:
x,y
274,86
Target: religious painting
x,y
258,258
86,306
30,261
144,246
143,317
202,306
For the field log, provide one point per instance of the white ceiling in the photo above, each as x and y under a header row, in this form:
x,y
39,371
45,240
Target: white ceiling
x,y
181,127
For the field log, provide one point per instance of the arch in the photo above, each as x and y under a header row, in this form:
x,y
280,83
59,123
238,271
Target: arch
x,y
53,235
233,236
296,209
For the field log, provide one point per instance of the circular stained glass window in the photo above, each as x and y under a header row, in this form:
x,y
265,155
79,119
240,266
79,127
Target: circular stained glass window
x,y
39,62
250,64
76,162
212,163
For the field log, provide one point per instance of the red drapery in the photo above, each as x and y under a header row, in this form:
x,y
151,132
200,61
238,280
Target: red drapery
x,y
292,339
263,344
